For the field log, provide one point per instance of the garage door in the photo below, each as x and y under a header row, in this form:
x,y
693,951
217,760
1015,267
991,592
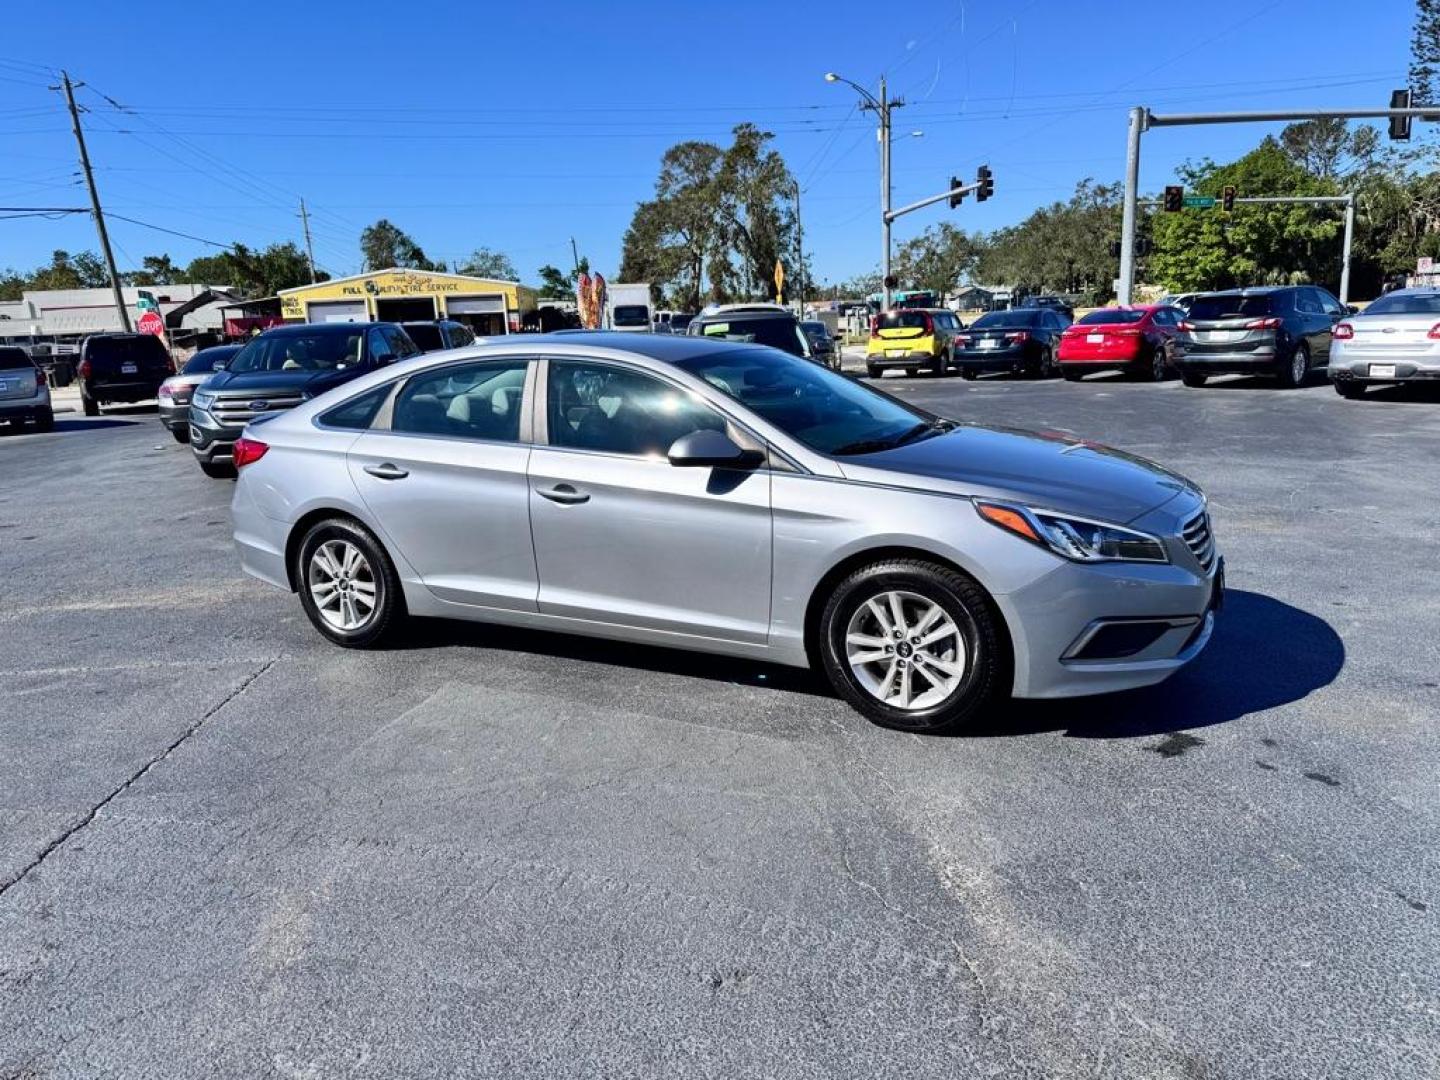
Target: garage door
x,y
337,311
475,305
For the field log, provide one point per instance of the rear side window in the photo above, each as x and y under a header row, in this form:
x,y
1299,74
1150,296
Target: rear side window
x,y
11,358
466,401
359,412
1222,307
426,336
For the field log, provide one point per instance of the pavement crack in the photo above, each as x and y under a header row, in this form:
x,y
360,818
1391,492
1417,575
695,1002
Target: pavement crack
x,y
34,864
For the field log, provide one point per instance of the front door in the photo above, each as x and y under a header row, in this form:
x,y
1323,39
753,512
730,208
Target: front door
x,y
447,483
621,535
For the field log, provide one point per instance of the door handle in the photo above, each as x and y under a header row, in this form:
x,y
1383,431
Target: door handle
x,y
564,494
387,471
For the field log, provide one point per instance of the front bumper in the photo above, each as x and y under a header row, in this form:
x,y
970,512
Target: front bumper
x,y
1099,628
209,439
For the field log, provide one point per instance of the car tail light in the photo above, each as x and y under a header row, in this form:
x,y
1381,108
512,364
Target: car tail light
x,y
39,377
1018,336
1344,331
1263,324
247,451
965,339
1434,333
1185,325
84,369
165,391
1125,332
929,326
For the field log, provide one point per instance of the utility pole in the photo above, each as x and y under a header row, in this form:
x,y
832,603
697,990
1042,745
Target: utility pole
x,y
575,257
120,308
1345,254
309,247
799,250
1128,211
884,110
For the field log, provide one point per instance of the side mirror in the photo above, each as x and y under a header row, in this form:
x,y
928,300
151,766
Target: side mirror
x,y
1351,309
712,450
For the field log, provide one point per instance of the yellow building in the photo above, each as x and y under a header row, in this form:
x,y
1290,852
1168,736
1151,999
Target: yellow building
x,y
486,306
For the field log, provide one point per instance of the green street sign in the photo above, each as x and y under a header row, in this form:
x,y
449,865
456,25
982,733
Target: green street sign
x,y
1200,202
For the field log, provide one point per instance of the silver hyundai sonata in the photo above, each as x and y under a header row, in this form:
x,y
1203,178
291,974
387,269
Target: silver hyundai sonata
x,y
733,499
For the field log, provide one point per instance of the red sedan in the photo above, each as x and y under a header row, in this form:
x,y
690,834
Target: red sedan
x,y
1137,340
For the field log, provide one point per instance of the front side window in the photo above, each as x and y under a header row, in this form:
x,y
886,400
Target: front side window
x,y
818,407
465,401
299,352
620,411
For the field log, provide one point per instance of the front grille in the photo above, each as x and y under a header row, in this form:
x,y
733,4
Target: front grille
x,y
239,411
1199,539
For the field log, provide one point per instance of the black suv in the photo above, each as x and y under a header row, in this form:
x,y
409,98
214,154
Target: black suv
x,y
439,334
278,370
1282,331
763,324
121,368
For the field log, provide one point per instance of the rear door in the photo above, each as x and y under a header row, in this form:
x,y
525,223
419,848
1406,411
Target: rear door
x,y
446,482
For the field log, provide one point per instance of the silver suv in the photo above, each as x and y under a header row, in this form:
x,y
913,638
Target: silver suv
x,y
734,499
24,390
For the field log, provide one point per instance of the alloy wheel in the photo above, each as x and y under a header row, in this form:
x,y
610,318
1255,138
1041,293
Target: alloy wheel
x,y
905,650
1299,365
342,584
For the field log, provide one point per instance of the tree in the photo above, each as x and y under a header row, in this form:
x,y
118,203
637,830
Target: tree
x,y
1257,245
1425,51
553,284
755,208
12,284
82,271
384,245
489,264
1064,246
937,258
1329,148
255,273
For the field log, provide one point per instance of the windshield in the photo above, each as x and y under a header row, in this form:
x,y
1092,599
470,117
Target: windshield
x,y
824,410
1111,316
1007,320
299,352
631,315
783,333
1221,307
205,360
1405,304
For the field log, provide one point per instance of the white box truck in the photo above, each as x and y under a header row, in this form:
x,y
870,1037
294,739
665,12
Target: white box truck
x,y
628,307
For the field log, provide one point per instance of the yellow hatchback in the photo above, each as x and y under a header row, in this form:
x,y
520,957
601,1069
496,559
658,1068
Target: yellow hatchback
x,y
913,339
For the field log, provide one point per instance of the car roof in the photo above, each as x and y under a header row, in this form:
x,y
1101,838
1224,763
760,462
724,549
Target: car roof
x,y
667,348
220,348
324,328
740,314
1249,290
430,322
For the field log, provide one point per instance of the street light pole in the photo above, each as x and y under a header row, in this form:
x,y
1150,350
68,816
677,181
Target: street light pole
x,y
799,249
882,107
1128,212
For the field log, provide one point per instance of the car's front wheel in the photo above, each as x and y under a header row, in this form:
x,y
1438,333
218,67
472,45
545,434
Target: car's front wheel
x,y
348,586
913,645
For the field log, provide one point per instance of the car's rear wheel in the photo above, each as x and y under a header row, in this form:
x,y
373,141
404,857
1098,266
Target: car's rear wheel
x,y
181,434
969,373
873,371
1151,366
348,586
45,421
1297,369
1350,389
218,470
90,405
1193,378
913,645
912,371
1071,375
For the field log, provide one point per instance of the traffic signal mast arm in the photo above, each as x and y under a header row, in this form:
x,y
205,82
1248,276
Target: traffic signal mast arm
x,y
983,185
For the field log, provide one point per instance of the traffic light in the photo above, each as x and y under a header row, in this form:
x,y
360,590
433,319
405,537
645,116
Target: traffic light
x,y
1114,249
1227,198
1143,246
959,197
1174,198
1400,125
986,181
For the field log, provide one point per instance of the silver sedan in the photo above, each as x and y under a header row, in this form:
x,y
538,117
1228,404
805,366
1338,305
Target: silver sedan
x,y
1394,340
732,499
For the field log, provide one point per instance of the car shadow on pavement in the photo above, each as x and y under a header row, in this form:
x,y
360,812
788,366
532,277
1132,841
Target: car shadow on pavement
x,y
1264,653
91,423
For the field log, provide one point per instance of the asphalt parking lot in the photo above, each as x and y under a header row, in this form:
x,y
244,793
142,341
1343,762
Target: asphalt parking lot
x,y
229,849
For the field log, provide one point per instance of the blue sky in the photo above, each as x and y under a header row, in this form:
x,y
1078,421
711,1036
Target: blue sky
x,y
517,127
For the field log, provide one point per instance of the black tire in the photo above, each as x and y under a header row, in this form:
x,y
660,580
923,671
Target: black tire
x,y
181,434
912,371
941,366
969,373
45,421
1193,378
1297,367
873,371
986,677
218,470
91,407
1350,390
389,607
1071,376
1150,367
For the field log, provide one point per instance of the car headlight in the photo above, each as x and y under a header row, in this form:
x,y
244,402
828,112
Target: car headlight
x,y
1077,539
202,400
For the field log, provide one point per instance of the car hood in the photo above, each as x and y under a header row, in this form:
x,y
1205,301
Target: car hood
x,y
303,382
1041,469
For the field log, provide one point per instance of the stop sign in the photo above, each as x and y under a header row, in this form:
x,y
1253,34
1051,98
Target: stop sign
x,y
151,323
